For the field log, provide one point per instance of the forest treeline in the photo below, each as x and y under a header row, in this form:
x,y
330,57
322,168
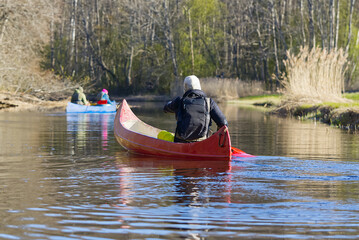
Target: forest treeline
x,y
138,46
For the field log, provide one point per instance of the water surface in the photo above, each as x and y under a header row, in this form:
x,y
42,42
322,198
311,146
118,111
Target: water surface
x,y
63,176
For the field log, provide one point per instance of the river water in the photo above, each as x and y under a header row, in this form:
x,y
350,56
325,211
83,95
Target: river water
x,y
63,176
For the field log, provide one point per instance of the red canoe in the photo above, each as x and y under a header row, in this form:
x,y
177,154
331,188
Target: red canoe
x,y
139,137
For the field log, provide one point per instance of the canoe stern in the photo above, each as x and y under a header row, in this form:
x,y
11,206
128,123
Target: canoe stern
x,y
216,147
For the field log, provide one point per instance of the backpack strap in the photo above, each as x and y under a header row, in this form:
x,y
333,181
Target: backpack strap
x,y
208,115
208,101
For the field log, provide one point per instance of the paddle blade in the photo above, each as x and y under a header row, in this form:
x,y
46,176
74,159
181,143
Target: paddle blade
x,y
239,153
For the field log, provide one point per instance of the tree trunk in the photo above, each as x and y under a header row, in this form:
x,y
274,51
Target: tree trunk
x,y
262,57
275,49
225,44
352,2
52,41
170,45
130,60
73,30
337,27
4,20
331,27
191,39
302,21
311,24
323,27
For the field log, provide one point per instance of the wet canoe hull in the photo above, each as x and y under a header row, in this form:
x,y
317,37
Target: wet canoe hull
x,y
77,108
138,137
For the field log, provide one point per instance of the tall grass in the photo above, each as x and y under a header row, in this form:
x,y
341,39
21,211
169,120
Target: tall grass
x,y
229,88
315,75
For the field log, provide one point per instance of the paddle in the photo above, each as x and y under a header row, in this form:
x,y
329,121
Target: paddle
x,y
239,153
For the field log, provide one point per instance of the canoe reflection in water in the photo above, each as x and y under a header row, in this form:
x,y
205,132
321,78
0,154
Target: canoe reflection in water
x,y
172,194
195,182
86,125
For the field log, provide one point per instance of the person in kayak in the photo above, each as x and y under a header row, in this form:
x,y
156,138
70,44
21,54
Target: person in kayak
x,y
79,97
194,112
103,96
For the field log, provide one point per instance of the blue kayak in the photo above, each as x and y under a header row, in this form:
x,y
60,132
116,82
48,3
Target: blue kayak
x,y
103,108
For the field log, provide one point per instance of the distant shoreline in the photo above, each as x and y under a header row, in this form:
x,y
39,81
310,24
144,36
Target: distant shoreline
x,y
10,102
345,116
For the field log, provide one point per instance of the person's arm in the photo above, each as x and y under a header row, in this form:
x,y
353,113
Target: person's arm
x,y
107,97
217,115
172,106
83,99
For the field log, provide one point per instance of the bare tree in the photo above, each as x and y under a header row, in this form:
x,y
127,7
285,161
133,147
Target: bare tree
x,y
352,2
275,49
337,25
24,29
331,24
188,11
311,24
129,43
302,21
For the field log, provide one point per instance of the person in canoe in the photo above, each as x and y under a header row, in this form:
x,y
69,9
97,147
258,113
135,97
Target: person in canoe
x,y
103,97
194,112
79,97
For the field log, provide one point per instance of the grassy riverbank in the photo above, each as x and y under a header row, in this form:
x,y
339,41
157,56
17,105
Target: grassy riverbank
x,y
267,102
344,115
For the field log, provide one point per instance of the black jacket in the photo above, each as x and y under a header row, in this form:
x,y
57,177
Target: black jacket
x,y
215,113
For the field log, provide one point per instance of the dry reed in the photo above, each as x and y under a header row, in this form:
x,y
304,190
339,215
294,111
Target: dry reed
x,y
315,75
229,88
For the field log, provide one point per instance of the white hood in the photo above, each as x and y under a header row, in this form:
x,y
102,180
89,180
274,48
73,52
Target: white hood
x,y
191,82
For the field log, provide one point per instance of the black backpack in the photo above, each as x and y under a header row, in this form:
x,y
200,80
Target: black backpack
x,y
75,97
193,118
